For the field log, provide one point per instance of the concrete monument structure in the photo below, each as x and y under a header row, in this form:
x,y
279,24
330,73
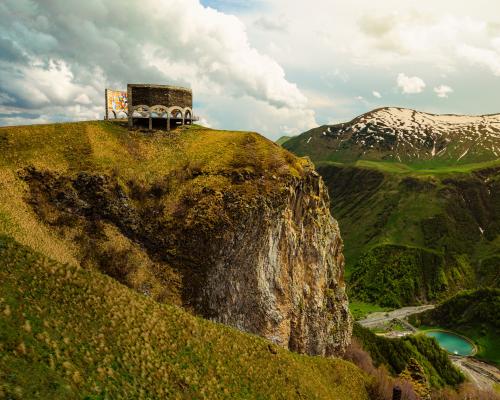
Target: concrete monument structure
x,y
159,106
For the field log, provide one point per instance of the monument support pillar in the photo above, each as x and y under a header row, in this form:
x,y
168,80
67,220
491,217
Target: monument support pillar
x,y
106,117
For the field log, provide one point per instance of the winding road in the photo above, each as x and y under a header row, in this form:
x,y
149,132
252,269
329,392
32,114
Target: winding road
x,y
483,375
379,319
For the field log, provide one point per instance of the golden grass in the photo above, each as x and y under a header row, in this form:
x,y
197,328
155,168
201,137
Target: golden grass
x,y
109,148
67,332
103,146
18,219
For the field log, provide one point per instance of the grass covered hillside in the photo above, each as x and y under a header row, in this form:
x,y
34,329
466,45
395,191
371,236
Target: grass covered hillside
x,y
215,221
105,232
416,237
417,198
68,332
474,313
141,207
283,139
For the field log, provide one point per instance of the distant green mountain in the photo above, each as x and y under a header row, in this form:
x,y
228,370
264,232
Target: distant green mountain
x,y
283,139
475,313
419,229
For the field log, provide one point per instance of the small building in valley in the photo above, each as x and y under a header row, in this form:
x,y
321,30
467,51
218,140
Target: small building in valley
x,y
159,106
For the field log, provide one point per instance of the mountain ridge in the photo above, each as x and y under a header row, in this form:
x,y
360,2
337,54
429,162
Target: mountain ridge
x,y
416,230
403,135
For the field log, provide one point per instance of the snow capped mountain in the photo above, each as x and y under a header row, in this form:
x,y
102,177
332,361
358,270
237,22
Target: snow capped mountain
x,y
397,134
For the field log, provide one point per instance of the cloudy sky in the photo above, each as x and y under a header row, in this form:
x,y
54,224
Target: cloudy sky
x,y
275,66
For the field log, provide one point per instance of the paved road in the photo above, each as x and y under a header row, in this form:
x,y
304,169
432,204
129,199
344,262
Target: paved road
x,y
382,318
481,374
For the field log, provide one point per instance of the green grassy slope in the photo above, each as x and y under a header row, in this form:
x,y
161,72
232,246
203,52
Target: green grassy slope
x,y
417,197
414,236
475,314
283,139
71,333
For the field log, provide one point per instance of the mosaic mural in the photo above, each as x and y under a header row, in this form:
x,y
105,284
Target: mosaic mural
x,y
116,103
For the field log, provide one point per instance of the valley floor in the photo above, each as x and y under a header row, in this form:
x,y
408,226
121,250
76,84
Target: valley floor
x,y
485,376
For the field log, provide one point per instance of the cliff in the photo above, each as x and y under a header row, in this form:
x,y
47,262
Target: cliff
x,y
226,224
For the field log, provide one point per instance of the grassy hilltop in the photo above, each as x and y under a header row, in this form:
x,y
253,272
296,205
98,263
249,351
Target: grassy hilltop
x,y
65,189
69,330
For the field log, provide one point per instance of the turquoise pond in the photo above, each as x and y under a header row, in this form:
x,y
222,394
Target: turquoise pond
x,y
452,343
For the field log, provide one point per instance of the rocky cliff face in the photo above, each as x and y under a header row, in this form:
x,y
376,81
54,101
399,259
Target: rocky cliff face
x,y
279,273
263,255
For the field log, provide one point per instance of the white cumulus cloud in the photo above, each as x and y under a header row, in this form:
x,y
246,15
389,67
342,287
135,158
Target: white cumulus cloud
x,y
51,50
377,94
410,85
489,58
443,91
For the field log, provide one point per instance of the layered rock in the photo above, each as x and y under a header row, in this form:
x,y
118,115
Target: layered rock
x,y
280,273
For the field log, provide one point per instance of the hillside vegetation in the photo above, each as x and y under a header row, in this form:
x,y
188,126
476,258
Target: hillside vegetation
x,y
475,314
72,333
90,211
412,239
201,218
395,354
283,139
139,207
419,225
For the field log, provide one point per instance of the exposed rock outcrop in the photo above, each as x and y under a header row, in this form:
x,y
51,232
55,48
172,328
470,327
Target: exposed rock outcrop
x,y
263,255
280,273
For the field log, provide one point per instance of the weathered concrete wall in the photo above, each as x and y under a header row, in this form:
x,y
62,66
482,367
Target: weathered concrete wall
x,y
151,95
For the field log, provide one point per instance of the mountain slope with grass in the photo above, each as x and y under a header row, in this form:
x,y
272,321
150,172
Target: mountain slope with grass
x,y
283,139
113,239
419,230
68,332
205,219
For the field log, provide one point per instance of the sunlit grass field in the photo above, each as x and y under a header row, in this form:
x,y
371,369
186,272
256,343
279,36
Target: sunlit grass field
x,y
71,333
